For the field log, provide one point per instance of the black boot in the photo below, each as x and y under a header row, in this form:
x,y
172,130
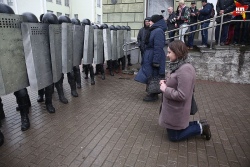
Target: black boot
x,y
72,83
110,65
206,131
97,69
123,59
151,98
2,115
25,122
129,60
77,77
116,65
102,71
59,89
40,95
23,101
23,92
48,99
86,71
92,76
1,139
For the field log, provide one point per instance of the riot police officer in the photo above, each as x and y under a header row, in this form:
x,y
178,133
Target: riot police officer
x,y
48,91
128,55
70,75
121,60
22,96
99,67
50,18
76,69
88,67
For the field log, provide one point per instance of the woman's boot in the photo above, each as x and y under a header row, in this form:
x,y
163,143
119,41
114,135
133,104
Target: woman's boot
x,y
151,97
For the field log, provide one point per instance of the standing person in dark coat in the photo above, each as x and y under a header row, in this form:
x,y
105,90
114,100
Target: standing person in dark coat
x,y
154,60
171,23
142,35
193,19
223,7
204,14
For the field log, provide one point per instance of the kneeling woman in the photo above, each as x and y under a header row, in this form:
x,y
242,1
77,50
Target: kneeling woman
x,y
177,96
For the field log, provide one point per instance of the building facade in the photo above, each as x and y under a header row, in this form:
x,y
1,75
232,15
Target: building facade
x,y
81,9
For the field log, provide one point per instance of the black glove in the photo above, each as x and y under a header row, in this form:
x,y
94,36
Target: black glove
x,y
156,65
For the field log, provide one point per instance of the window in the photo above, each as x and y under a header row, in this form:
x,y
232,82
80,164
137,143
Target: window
x,y
10,2
49,0
67,15
49,11
98,3
99,19
66,2
58,14
76,16
59,2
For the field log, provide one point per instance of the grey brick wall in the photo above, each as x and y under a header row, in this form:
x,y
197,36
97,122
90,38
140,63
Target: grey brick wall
x,y
124,12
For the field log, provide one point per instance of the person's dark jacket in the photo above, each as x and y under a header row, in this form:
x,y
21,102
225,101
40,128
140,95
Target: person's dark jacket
x,y
193,19
154,54
226,5
205,12
142,35
171,21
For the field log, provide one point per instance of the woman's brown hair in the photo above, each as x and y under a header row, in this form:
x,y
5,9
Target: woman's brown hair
x,y
179,48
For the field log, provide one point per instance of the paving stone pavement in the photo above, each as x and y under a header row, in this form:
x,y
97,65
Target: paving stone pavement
x,y
110,125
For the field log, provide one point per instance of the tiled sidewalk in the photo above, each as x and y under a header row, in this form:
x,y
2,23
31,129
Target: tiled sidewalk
x,y
110,125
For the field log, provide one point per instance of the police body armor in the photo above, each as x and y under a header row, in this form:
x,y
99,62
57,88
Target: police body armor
x,y
107,43
88,47
37,54
113,33
13,73
98,45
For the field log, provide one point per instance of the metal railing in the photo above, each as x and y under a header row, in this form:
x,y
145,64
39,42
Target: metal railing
x,y
198,30
213,27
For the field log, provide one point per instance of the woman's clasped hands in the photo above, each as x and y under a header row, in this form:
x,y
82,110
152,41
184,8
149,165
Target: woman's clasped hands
x,y
163,85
